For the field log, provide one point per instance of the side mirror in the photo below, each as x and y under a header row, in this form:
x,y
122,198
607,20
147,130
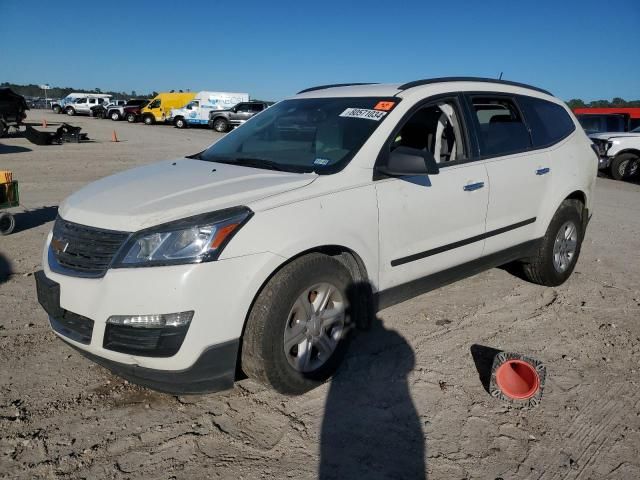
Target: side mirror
x,y
405,161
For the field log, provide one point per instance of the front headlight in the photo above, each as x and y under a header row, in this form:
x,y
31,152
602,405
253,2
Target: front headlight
x,y
190,240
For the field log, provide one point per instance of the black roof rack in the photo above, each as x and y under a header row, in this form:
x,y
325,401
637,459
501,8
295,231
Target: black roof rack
x,y
428,81
322,87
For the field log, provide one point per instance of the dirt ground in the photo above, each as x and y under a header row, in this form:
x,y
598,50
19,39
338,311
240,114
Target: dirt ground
x,y
407,403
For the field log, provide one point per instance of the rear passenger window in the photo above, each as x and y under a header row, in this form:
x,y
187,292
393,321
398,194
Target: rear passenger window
x,y
501,128
549,123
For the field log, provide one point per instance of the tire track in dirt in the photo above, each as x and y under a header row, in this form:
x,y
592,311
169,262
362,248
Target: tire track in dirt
x,y
595,427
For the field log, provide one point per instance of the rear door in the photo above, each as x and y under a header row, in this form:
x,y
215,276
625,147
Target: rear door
x,y
518,175
431,223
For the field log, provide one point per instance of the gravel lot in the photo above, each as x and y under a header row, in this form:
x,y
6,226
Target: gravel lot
x,y
407,403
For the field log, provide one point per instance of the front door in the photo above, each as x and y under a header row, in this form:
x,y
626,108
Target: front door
x,y
428,224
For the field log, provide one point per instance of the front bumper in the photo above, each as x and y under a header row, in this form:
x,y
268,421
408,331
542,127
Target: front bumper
x,y
604,162
220,293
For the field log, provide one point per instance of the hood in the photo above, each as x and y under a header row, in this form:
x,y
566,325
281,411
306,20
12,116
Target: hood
x,y
610,135
170,190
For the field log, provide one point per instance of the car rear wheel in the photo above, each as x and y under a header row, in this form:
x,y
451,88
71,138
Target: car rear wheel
x,y
624,166
115,116
180,122
220,125
131,118
57,109
297,330
70,111
149,120
559,249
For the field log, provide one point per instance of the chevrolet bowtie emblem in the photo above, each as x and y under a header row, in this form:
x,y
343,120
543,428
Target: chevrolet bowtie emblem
x,y
59,245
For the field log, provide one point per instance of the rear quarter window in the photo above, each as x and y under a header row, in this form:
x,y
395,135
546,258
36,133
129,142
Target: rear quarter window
x,y
549,123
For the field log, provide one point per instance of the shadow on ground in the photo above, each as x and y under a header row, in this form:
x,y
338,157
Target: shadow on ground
x,y
371,428
34,218
12,149
6,270
483,358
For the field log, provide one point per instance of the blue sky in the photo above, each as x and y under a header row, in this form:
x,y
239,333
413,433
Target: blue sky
x,y
585,49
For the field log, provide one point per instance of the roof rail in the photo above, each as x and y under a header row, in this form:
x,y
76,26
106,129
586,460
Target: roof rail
x,y
428,81
322,87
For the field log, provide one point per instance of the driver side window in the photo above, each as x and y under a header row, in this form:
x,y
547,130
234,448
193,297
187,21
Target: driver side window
x,y
436,128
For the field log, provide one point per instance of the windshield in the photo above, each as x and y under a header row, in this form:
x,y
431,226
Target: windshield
x,y
303,135
636,130
602,123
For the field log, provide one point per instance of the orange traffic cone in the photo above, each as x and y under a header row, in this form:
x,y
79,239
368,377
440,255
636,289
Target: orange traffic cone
x,y
44,123
114,137
517,379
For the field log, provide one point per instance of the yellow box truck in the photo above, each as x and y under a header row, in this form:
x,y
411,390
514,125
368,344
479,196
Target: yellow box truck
x,y
159,108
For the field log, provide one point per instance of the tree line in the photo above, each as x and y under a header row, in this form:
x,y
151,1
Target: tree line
x,y
614,103
35,91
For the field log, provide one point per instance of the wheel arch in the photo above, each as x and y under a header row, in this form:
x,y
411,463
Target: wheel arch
x,y
356,266
633,151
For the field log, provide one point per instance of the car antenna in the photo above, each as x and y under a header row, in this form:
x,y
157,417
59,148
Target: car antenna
x,y
500,76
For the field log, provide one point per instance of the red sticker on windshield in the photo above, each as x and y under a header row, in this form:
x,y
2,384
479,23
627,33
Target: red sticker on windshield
x,y
384,106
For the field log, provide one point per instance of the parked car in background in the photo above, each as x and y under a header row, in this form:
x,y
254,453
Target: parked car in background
x,y
222,120
100,111
116,111
197,111
82,105
132,112
159,108
261,253
59,106
619,153
13,110
612,119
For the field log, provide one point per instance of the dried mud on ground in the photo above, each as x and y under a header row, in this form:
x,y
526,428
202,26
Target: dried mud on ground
x,y
407,403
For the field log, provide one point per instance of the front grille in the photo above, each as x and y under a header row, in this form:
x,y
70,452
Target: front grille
x,y
88,251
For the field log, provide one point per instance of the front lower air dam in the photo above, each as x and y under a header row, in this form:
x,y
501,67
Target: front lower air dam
x,y
517,379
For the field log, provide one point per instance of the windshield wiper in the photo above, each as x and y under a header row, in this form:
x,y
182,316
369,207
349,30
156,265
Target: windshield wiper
x,y
263,163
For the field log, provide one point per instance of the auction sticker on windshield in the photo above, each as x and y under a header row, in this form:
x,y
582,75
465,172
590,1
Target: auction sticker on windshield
x,y
374,115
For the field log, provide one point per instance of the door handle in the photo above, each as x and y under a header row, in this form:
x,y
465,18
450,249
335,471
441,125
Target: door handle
x,y
543,171
473,186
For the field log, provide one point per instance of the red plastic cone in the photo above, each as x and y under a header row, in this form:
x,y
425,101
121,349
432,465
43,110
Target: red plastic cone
x,y
114,137
44,123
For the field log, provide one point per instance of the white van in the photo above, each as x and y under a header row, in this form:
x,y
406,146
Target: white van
x,y
262,252
197,111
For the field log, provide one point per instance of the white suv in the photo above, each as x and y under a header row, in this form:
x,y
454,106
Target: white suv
x,y
264,250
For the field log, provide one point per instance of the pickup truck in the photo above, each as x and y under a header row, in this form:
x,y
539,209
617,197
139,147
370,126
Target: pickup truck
x,y
222,120
116,112
619,152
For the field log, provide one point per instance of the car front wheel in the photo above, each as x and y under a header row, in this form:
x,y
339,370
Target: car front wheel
x,y
149,120
220,125
131,118
297,330
624,166
115,116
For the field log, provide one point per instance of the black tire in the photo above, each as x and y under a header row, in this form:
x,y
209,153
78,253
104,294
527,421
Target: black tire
x,y
131,118
7,223
115,116
57,109
625,165
180,122
149,120
70,111
263,356
220,125
540,268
